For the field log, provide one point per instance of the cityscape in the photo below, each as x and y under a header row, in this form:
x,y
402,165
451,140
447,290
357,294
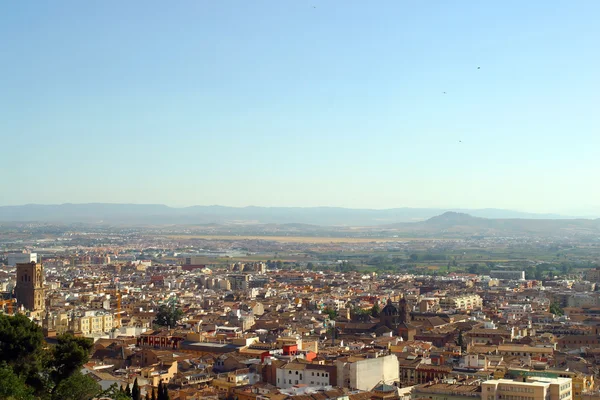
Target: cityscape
x,y
336,317
299,200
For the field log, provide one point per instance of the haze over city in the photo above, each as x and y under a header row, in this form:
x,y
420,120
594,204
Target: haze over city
x,y
268,103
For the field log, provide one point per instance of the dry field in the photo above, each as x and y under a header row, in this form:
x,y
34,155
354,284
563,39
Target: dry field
x,y
301,239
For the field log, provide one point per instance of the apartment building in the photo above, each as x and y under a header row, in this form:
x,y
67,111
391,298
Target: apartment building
x,y
94,322
463,302
294,373
534,388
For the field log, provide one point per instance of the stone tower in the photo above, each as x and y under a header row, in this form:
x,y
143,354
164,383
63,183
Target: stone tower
x,y
404,312
30,286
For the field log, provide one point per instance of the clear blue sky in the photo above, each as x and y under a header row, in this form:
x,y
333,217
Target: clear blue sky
x,y
279,103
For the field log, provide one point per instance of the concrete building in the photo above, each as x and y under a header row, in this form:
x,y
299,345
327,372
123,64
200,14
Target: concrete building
x,y
239,281
534,388
508,275
451,390
593,275
30,286
464,302
94,323
21,258
294,373
365,373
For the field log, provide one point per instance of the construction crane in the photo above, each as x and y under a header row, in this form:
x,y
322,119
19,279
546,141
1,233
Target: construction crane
x,y
118,309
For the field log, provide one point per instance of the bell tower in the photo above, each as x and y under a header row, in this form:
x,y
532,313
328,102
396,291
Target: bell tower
x,y
30,286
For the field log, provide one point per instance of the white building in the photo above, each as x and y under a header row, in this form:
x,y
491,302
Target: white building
x,y
21,258
534,389
293,373
365,373
516,311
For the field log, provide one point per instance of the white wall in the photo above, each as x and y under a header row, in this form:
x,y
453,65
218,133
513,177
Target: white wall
x,y
366,374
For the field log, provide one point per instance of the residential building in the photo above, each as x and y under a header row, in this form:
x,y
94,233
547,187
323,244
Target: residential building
x,y
462,302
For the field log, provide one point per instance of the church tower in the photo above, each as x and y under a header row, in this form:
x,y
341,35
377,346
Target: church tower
x,y
404,311
30,286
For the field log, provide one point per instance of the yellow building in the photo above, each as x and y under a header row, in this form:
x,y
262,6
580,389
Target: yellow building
x,y
464,302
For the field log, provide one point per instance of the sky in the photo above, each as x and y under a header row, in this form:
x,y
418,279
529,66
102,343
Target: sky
x,y
349,103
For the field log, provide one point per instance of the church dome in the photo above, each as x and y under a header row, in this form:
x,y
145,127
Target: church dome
x,y
389,309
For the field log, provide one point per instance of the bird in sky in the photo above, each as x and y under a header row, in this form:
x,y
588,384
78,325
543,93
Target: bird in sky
x,y
478,67
444,92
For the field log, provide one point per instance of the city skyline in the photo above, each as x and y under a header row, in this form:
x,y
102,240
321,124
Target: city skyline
x,y
301,104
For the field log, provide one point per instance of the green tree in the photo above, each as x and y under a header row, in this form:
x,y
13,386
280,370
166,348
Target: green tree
x,y
168,315
115,392
330,312
556,309
461,341
12,387
147,395
128,390
154,396
68,356
21,348
163,392
375,310
76,387
310,266
136,394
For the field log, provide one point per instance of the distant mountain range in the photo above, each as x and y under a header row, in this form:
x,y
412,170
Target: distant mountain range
x,y
157,214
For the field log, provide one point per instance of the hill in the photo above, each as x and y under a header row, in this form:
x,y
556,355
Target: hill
x,y
454,223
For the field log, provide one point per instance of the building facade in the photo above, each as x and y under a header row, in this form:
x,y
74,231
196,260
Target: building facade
x,y
29,289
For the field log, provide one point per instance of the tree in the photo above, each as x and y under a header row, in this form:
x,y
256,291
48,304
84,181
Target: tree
x,y
12,387
330,312
68,356
128,390
310,266
375,310
147,395
76,387
556,309
163,392
115,392
154,396
21,348
168,315
136,394
461,341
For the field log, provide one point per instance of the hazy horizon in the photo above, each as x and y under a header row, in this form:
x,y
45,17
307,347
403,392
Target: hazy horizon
x,y
590,213
268,103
